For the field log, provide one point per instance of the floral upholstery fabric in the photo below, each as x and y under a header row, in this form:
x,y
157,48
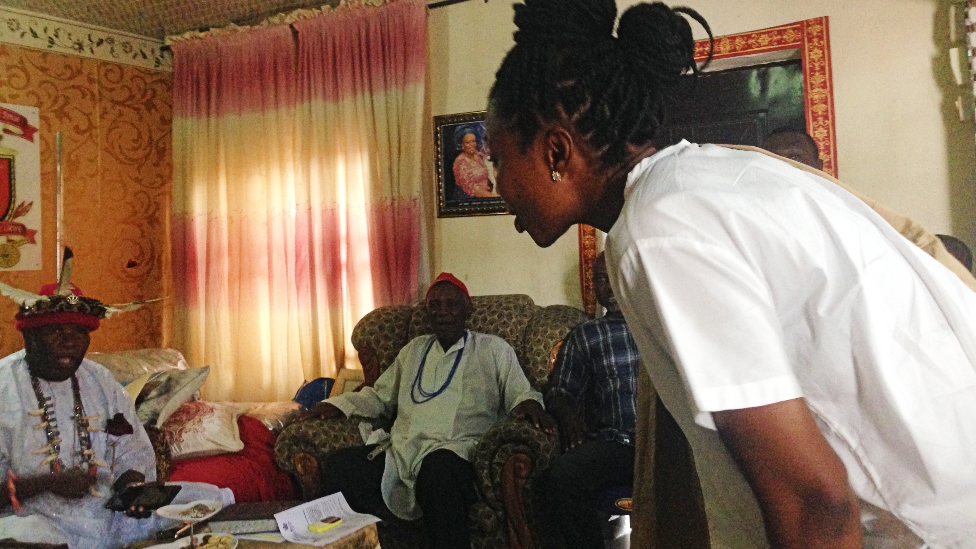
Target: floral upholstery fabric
x,y
164,454
530,329
317,437
547,327
384,331
505,316
502,315
512,436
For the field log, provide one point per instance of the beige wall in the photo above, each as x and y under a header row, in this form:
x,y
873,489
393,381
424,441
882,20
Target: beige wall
x,y
899,139
467,44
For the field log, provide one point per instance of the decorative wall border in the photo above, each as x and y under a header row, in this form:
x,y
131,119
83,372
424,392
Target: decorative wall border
x,y
812,38
46,33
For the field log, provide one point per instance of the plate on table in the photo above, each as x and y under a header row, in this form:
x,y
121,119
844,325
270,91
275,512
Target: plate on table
x,y
203,541
195,511
213,541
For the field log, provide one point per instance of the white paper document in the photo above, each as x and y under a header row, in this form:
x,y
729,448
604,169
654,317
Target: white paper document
x,y
294,522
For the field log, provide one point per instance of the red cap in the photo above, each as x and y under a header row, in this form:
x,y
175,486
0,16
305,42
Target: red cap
x,y
49,289
82,319
448,277
82,311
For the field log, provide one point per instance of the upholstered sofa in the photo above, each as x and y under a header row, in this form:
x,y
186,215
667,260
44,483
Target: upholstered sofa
x,y
508,456
217,447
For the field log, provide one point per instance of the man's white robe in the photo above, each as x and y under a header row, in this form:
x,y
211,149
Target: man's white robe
x,y
84,523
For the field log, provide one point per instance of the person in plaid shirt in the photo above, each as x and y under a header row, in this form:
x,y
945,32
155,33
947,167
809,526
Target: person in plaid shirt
x,y
593,396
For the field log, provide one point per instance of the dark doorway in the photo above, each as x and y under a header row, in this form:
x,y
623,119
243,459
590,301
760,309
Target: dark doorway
x,y
738,106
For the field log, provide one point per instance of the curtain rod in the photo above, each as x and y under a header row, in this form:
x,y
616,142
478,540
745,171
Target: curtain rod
x,y
445,3
434,6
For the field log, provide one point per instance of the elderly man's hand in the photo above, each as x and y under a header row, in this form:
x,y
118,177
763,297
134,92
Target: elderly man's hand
x,y
532,411
572,427
70,484
138,512
322,410
125,479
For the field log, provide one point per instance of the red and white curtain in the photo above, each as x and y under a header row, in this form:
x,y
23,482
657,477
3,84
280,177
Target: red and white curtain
x,y
971,42
296,191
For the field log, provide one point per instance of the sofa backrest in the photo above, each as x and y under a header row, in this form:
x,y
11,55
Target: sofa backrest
x,y
128,365
530,329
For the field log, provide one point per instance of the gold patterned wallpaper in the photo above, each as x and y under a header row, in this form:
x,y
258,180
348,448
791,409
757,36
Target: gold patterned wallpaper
x,y
116,125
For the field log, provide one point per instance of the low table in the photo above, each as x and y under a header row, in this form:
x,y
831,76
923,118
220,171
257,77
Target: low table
x,y
365,538
362,539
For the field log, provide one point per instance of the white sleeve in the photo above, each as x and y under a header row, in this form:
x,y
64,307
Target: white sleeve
x,y
133,451
380,400
715,313
515,387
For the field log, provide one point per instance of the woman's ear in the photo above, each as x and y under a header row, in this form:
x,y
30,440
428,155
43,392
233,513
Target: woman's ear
x,y
559,148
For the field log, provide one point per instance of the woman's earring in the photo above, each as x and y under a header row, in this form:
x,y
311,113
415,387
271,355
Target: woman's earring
x,y
556,176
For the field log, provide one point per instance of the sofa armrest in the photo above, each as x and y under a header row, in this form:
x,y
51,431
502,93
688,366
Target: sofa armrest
x,y
163,451
506,439
318,437
506,461
302,446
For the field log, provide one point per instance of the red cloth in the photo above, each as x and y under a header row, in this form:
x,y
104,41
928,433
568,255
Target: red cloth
x,y
448,277
251,473
44,319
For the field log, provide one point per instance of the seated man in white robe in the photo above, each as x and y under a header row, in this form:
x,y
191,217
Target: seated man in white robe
x,y
58,463
446,390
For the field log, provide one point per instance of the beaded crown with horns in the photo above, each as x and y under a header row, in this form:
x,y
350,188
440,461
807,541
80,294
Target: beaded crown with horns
x,y
62,303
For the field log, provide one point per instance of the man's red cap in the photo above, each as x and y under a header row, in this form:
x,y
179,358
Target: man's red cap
x,y
448,277
61,310
49,289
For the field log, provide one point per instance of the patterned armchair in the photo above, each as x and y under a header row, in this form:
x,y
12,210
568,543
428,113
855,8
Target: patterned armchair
x,y
508,456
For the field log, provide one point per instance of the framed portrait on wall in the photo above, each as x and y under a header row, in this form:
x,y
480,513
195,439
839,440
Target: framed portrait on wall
x,y
465,176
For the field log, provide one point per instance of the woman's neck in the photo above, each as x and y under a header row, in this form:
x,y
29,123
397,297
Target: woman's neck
x,y
608,208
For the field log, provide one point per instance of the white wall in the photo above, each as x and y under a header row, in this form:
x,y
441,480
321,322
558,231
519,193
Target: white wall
x,y
467,44
899,139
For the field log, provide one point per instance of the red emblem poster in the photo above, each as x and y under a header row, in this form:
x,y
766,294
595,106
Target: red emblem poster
x,y
20,189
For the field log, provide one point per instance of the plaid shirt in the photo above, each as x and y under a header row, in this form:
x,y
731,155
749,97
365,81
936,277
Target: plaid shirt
x,y
597,368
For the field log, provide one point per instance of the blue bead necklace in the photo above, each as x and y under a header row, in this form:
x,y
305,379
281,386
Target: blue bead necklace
x,y
426,396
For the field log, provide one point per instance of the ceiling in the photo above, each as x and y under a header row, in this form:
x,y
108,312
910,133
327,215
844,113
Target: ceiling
x,y
160,18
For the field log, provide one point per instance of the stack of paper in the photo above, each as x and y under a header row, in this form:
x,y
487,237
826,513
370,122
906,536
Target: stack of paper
x,y
294,522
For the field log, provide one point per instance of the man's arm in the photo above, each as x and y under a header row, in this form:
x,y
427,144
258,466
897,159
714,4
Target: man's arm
x,y
518,396
567,388
571,424
799,480
380,400
133,452
71,484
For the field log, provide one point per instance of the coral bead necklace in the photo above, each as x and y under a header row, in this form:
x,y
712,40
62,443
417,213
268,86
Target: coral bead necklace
x,y
49,422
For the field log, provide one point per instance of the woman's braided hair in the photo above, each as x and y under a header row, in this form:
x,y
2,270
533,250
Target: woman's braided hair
x,y
567,66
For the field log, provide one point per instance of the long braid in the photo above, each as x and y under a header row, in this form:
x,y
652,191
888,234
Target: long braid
x,y
567,66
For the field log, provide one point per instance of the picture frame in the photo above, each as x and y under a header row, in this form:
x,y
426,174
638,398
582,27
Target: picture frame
x,y
465,176
812,38
347,381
